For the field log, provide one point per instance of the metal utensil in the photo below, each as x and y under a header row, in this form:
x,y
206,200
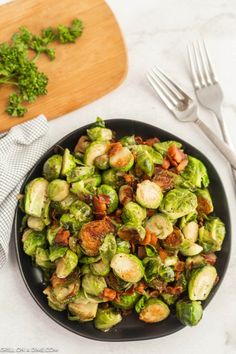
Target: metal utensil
x,y
207,88
185,109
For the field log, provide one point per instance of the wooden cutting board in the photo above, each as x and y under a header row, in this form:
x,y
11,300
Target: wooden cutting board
x,y
81,72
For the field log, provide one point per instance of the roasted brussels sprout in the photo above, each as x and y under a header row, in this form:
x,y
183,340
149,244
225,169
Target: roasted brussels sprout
x,y
31,240
102,162
82,191
81,211
110,177
149,194
35,223
128,140
68,162
82,312
56,252
160,225
106,319
52,301
100,268
196,173
154,267
93,181
189,248
126,302
80,173
189,312
52,167
127,267
125,194
133,212
108,248
131,231
94,150
162,147
122,246
212,234
154,310
99,134
205,205
93,284
113,197
64,205
145,162
122,159
42,258
190,231
169,299
66,264
35,196
58,190
178,202
201,282
51,234
69,222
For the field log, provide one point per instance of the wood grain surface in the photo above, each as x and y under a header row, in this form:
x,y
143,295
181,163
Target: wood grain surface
x,y
81,72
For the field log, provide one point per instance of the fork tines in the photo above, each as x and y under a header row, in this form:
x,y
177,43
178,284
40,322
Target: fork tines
x,y
201,68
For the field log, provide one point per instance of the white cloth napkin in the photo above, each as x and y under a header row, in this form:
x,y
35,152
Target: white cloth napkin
x,y
20,148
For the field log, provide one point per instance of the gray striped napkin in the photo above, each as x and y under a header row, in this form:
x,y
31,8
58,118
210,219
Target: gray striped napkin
x,y
20,148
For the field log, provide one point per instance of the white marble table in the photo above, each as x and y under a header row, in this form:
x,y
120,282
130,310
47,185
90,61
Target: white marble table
x,y
156,32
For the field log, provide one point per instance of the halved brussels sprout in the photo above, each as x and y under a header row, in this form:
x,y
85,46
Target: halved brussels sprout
x,y
106,319
68,162
56,252
94,150
127,267
122,160
205,205
64,205
154,311
58,190
131,231
160,225
113,197
74,246
81,211
42,258
133,212
169,298
162,147
178,202
116,283
100,268
82,191
69,222
82,312
201,282
52,167
154,267
195,173
212,234
126,302
31,240
66,264
99,134
79,173
93,284
128,140
35,196
189,248
149,194
102,162
108,248
190,231
197,261
35,223
189,312
93,181
122,246
52,301
110,177
170,261
51,234
145,162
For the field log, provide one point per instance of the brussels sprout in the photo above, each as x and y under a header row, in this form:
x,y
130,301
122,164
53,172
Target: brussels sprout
x,y
122,246
81,211
174,241
102,162
58,190
145,162
82,192
94,150
99,134
149,194
154,311
31,240
126,302
35,223
212,234
148,151
154,267
169,298
64,205
66,264
56,252
51,234
189,248
74,245
170,261
195,173
195,262
162,147
93,181
93,284
189,312
201,282
110,177
106,319
127,267
46,212
52,167
79,173
128,140
52,301
42,258
82,312
190,231
117,283
108,248
205,205
35,196
69,222
122,160
178,202
100,268
90,260
187,218
160,225
134,213
113,197
131,231
79,157
150,250
166,273
68,162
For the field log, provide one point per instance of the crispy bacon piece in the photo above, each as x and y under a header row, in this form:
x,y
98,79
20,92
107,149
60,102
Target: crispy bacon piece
x,y
100,203
176,154
150,212
151,141
147,239
82,144
165,163
126,194
210,258
62,237
138,139
181,166
109,294
179,267
203,207
130,291
141,287
129,179
141,252
163,178
163,254
174,239
154,293
174,290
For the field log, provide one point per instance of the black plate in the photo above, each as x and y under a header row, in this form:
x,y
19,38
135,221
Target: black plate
x,y
130,328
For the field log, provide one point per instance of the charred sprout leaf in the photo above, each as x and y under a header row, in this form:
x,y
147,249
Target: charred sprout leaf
x,y
131,231
189,312
205,205
141,303
106,319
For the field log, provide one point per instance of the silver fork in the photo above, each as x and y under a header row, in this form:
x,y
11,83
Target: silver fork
x,y
207,88
185,109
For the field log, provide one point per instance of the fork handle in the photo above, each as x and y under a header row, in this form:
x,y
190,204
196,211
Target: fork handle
x,y
224,148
